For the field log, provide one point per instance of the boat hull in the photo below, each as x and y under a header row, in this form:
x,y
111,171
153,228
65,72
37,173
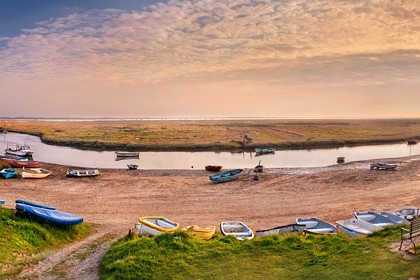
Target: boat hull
x,y
20,163
237,229
154,225
316,226
226,176
35,173
54,216
374,218
203,233
82,173
213,168
8,173
356,228
282,230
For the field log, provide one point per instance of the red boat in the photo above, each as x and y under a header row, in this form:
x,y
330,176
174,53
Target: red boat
x,y
214,168
20,162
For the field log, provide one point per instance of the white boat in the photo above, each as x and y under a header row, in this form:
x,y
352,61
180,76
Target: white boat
x,y
356,227
237,229
154,225
314,225
374,218
35,173
408,213
127,154
82,172
394,217
18,150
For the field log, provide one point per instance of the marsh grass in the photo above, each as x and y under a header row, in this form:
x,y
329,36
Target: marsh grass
x,y
181,256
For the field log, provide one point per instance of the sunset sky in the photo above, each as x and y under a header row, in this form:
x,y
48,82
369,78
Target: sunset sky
x,y
210,58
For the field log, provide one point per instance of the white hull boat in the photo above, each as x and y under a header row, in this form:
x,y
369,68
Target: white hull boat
x,y
237,229
356,227
374,218
317,226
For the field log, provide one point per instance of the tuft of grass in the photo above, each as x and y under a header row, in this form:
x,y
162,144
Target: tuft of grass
x,y
181,256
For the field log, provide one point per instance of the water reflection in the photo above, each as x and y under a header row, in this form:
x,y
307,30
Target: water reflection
x,y
197,160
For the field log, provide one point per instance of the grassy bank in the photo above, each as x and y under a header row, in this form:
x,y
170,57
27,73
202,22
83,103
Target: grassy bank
x,y
181,256
21,237
217,135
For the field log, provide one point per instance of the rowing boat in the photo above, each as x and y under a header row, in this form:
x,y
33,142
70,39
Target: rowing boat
x,y
154,225
237,229
226,176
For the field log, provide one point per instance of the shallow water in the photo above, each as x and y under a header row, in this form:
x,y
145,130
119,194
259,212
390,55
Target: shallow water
x,y
197,160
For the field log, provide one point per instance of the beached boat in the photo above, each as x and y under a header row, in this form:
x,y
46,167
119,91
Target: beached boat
x,y
132,166
408,213
205,233
382,166
154,225
259,168
226,176
341,160
282,230
8,173
314,225
35,173
2,201
412,141
213,168
19,162
82,172
51,215
21,201
127,154
374,218
263,151
18,150
356,227
237,229
394,217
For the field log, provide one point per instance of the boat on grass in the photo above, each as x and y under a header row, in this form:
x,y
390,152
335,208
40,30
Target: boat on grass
x,y
50,215
317,226
154,225
132,166
226,176
213,168
237,229
356,227
264,151
204,233
408,213
21,201
282,230
8,173
24,162
82,172
382,166
35,173
394,217
374,218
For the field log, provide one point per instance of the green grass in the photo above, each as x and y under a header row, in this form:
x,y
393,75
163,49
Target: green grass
x,y
22,237
181,256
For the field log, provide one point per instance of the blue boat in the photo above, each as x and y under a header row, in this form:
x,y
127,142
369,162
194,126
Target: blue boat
x,y
8,173
21,201
54,216
2,201
317,226
375,218
226,176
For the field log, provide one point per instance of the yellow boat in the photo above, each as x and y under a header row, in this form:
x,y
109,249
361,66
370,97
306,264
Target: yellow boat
x,y
35,173
205,233
154,225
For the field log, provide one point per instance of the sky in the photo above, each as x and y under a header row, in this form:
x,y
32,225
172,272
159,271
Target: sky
x,y
210,58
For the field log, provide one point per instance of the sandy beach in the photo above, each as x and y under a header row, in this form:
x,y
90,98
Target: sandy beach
x,y
117,197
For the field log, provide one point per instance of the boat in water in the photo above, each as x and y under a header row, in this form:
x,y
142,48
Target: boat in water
x,y
317,226
356,227
282,230
264,151
82,172
18,150
8,173
123,155
35,173
226,176
204,233
154,225
237,229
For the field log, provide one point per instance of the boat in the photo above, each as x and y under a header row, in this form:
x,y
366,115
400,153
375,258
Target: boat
x,y
412,141
262,151
2,201
282,230
237,229
127,154
132,166
314,225
19,162
82,172
8,173
205,233
341,160
394,217
356,227
408,213
21,201
154,225
226,176
213,168
51,215
35,173
18,150
382,166
259,168
374,218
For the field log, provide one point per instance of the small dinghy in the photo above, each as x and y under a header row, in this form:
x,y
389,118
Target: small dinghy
x,y
205,233
264,151
394,217
237,229
259,168
408,213
8,173
50,215
2,201
317,226
382,166
282,230
154,225
35,173
126,155
226,176
213,168
82,172
356,227
132,166
374,218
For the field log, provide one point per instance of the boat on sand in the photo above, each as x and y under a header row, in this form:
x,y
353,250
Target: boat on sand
x,y
282,230
317,226
237,229
205,233
50,215
382,166
154,225
35,173
356,227
24,162
226,176
8,173
132,166
82,172
213,168
374,218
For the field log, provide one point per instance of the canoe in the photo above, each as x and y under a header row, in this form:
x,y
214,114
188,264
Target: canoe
x,y
35,173
382,166
54,216
237,229
374,218
394,217
226,176
265,150
213,168
21,201
132,166
20,162
356,227
205,233
8,173
154,225
282,230
82,172
127,154
314,225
